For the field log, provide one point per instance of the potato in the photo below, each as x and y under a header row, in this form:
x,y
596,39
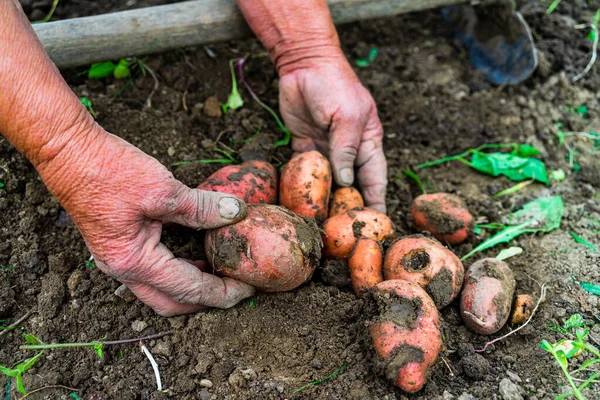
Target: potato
x,y
365,265
253,181
444,215
487,295
427,263
345,199
342,231
306,185
406,333
272,249
522,310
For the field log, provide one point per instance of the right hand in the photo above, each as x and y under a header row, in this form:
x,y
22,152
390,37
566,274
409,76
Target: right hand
x,y
119,198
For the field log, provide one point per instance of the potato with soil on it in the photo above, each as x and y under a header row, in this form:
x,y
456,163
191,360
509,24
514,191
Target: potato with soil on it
x,y
427,263
365,265
444,215
342,231
306,184
252,181
487,296
522,310
344,199
272,249
406,333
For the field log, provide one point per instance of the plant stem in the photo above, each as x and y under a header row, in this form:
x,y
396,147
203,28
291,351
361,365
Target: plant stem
x,y
467,153
576,391
90,344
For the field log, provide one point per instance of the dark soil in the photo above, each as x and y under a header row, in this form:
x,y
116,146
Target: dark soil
x,y
432,104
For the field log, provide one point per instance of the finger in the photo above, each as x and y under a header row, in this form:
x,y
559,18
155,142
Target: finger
x,y
343,147
303,145
160,302
200,209
372,167
185,283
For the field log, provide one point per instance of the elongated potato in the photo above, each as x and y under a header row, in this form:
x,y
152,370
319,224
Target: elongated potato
x,y
427,263
365,265
272,248
342,231
306,185
487,296
406,333
253,181
444,215
344,199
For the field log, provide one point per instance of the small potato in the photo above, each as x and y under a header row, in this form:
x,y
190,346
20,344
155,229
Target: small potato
x,y
345,199
342,231
522,310
365,265
272,249
427,263
253,181
444,215
486,297
406,334
306,185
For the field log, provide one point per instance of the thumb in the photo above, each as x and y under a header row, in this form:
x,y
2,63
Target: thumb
x,y
343,147
201,209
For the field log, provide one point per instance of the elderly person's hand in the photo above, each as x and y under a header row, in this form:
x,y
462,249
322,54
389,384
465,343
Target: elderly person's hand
x,y
322,101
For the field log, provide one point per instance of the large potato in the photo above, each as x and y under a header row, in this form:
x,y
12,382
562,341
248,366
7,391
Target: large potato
x,y
427,263
487,296
272,249
406,333
306,185
444,215
253,181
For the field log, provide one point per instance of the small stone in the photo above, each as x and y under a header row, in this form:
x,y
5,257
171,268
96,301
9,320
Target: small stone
x,y
475,366
206,383
249,374
509,391
138,325
74,281
592,300
513,377
236,379
205,361
51,296
162,348
447,395
212,107
207,144
466,396
205,395
171,151
125,293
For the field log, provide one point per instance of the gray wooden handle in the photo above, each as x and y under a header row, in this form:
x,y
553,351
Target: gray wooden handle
x,y
82,41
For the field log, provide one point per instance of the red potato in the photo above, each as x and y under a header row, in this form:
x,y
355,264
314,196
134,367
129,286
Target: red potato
x,y
345,199
487,296
252,181
365,265
427,263
444,215
306,185
406,333
342,231
272,249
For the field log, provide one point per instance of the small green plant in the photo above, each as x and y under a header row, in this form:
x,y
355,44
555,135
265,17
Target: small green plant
x,y
88,105
416,179
234,101
104,69
366,62
552,5
327,378
49,15
579,240
18,371
570,347
252,303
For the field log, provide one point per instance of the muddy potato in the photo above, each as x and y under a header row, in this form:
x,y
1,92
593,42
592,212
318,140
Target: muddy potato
x,y
306,184
344,199
427,263
252,181
522,310
342,231
487,296
365,265
444,215
272,249
405,334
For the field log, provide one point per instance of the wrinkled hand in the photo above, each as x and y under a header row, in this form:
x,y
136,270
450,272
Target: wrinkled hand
x,y
327,109
119,198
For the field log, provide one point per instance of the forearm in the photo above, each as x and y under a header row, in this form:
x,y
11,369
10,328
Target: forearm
x,y
297,33
39,114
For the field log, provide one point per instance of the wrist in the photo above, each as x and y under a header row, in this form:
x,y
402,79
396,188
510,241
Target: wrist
x,y
293,55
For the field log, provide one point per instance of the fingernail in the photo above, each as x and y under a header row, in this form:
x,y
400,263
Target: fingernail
x,y
229,208
346,176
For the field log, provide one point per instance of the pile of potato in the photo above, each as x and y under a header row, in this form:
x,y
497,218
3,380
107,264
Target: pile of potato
x,y
277,248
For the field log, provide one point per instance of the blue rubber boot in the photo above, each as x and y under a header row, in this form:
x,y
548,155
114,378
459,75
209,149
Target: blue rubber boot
x,y
497,39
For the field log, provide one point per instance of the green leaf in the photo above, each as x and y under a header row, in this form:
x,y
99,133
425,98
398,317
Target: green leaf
x,y
561,357
558,175
88,104
1,185
101,70
508,253
581,110
234,101
122,70
527,151
591,288
366,62
98,349
31,339
578,239
546,345
588,363
9,372
74,396
416,179
28,363
513,167
504,236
